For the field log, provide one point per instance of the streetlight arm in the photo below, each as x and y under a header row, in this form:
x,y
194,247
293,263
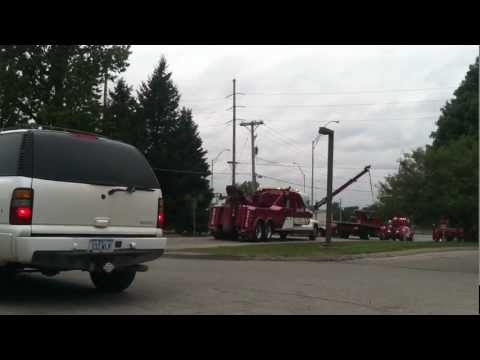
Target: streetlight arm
x,y
299,168
220,153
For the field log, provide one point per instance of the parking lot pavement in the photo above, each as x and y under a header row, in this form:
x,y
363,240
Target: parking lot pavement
x,y
439,283
183,242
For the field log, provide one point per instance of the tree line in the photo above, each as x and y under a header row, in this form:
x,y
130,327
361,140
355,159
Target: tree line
x,y
67,86
441,180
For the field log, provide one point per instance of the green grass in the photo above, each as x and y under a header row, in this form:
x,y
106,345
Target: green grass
x,y
319,249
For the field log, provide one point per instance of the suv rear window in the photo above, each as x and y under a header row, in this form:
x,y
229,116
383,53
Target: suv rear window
x,y
9,153
77,158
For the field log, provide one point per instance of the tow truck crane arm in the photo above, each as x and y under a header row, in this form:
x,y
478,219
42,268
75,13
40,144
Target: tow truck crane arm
x,y
343,187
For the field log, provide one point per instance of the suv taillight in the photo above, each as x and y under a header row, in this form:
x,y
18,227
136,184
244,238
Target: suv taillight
x,y
21,207
160,215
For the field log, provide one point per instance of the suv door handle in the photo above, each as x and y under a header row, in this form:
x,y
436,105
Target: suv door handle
x,y
102,222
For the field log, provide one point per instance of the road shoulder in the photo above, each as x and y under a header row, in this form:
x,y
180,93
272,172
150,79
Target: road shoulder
x,y
338,258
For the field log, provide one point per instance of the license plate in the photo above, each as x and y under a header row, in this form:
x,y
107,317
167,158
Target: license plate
x,y
101,245
300,221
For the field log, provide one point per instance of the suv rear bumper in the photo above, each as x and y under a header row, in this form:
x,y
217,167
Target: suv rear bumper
x,y
70,253
84,260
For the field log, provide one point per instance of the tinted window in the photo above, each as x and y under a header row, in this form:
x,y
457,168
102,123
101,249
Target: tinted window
x,y
74,158
9,153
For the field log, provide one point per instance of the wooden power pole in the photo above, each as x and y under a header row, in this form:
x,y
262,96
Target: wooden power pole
x,y
253,125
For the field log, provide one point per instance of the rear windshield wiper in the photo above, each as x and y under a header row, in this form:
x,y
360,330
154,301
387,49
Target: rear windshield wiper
x,y
130,189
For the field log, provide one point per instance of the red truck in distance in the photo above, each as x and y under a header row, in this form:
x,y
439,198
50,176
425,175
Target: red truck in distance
x,y
397,228
361,224
443,232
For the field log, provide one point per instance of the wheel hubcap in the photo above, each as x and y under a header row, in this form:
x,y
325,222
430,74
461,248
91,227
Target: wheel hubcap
x,y
269,232
259,231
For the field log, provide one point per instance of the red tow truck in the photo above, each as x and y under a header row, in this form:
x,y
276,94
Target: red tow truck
x,y
267,211
258,216
397,228
443,232
361,224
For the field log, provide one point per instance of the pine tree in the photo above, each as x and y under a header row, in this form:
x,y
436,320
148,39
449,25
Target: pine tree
x,y
172,142
195,187
158,98
121,119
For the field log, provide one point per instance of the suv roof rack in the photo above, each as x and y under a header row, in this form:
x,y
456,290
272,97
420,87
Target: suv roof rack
x,y
48,127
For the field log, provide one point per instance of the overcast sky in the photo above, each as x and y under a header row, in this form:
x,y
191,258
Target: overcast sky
x,y
387,99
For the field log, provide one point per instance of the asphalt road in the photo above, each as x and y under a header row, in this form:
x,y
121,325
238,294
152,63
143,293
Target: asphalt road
x,y
438,283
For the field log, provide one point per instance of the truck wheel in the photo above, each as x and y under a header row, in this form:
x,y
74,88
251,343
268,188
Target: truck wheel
x,y
364,235
283,236
314,234
268,231
116,281
259,231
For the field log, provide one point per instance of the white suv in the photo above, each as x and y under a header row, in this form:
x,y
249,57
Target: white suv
x,y
77,201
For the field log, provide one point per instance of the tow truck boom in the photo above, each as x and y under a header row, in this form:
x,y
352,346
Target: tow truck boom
x,y
343,187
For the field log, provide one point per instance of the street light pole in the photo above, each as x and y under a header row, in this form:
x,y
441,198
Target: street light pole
x,y
211,177
313,148
314,143
340,210
326,131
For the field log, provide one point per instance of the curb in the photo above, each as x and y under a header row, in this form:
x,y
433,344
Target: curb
x,y
319,258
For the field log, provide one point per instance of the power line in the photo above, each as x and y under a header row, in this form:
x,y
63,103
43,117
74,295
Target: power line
x,y
340,105
293,142
367,120
182,171
288,166
280,164
281,141
301,93
295,184
243,148
348,92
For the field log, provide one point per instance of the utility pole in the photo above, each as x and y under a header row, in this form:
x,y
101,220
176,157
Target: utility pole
x,y
340,210
326,131
234,120
313,149
314,143
234,136
252,125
